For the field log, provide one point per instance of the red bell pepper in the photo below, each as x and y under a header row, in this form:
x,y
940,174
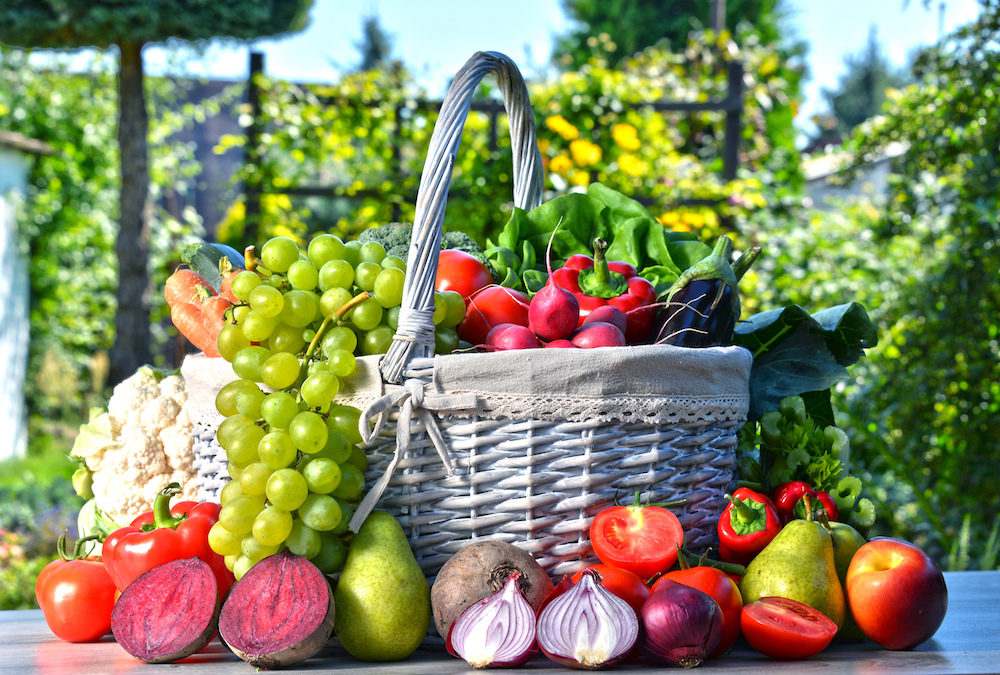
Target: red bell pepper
x,y
746,526
597,281
162,535
788,496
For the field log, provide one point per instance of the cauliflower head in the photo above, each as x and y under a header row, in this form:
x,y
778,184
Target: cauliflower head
x,y
143,442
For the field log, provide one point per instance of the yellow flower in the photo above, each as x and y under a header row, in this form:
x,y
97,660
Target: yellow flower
x,y
560,164
670,218
631,165
584,152
543,145
625,136
693,220
581,178
558,124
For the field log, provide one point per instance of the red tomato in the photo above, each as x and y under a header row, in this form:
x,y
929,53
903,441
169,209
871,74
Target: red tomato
x,y
640,539
626,585
723,590
462,272
491,307
786,629
76,597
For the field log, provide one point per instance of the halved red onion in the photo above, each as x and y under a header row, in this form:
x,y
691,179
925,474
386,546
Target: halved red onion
x,y
588,626
497,631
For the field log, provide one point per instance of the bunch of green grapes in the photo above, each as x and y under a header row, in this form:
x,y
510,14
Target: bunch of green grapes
x,y
295,461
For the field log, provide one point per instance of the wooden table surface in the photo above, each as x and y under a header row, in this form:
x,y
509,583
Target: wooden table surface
x,y
967,642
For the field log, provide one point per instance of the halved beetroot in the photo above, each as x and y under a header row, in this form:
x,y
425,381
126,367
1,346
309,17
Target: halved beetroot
x,y
279,613
169,612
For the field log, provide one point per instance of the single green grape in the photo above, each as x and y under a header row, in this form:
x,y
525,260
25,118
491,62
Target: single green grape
x,y
388,287
339,339
378,340
231,490
358,458
280,370
225,400
278,253
243,283
345,421
394,261
352,483
279,409
222,541
241,566
440,308
253,479
337,447
455,309
303,540
320,388
392,318
240,313
267,301
371,251
332,553
238,514
347,512
320,512
286,489
365,275
276,449
336,274
324,248
367,314
234,470
248,362
333,299
322,474
230,426
286,338
248,401
253,550
445,340
352,252
231,340
308,431
303,275
242,448
300,308
272,526
256,327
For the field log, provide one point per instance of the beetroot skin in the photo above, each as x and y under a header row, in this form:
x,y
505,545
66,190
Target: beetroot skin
x,y
168,613
279,613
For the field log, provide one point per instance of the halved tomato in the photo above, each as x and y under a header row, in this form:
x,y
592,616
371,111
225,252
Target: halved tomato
x,y
786,629
626,585
640,539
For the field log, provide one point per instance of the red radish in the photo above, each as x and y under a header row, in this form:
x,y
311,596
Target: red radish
x,y
511,336
608,314
554,312
560,344
598,334
169,612
279,613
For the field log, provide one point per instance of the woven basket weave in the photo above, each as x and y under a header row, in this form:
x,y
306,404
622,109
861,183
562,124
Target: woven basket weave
x,y
457,461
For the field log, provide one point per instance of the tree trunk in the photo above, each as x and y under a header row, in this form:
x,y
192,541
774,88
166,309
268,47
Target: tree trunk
x,y
132,334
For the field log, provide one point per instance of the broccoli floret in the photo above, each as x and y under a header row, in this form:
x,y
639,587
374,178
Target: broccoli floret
x,y
394,237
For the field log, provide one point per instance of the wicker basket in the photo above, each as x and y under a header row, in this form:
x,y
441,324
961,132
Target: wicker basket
x,y
458,454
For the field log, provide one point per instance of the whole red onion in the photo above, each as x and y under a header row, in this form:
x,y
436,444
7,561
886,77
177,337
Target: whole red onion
x,y
681,625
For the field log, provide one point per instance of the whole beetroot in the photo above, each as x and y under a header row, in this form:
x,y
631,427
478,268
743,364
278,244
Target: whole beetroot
x,y
480,570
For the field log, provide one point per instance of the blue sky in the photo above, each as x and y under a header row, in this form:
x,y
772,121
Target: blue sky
x,y
435,37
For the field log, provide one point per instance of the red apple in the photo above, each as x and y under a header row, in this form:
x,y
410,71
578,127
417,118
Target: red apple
x,y
896,593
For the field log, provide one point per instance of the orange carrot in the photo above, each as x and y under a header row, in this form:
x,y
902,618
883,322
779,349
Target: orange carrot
x,y
186,285
187,317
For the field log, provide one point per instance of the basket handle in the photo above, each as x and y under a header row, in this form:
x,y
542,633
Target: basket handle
x,y
415,331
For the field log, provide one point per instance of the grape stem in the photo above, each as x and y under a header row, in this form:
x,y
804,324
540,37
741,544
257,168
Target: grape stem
x,y
329,321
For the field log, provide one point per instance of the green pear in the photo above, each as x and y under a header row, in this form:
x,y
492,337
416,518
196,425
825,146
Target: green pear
x,y
846,542
798,564
383,600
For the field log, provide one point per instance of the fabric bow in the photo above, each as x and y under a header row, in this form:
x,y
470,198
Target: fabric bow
x,y
411,396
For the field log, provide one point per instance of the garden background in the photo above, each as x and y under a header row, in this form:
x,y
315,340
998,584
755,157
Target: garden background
x,y
921,254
